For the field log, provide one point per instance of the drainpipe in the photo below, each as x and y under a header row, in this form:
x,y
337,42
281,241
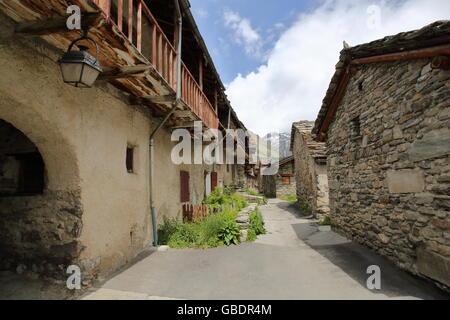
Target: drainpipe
x,y
175,105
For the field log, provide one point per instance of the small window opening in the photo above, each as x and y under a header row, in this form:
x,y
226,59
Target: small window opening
x,y
360,86
355,129
130,159
286,180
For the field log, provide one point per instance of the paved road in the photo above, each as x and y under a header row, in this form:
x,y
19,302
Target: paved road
x,y
294,260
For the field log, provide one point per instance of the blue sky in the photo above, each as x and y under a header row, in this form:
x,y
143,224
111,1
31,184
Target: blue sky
x,y
276,57
268,17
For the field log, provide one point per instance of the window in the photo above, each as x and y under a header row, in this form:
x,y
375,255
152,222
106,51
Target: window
x,y
214,180
286,180
355,129
184,186
130,159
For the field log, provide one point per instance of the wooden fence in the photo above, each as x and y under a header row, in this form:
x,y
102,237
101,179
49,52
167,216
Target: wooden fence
x,y
198,212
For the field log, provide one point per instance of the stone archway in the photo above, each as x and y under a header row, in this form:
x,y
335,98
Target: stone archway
x,y
40,197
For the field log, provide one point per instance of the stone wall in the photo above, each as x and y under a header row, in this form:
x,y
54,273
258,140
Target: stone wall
x,y
91,205
311,178
389,166
285,189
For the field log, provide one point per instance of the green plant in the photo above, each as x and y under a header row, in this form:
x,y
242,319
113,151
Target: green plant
x,y
251,235
186,235
257,222
289,197
168,228
250,192
305,209
225,197
230,233
326,221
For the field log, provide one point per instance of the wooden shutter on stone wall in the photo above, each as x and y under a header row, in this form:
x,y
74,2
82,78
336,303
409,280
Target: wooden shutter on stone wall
x,y
184,186
214,181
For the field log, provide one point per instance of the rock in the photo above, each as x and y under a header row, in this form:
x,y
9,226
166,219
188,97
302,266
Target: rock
x,y
244,235
21,268
433,144
384,238
433,265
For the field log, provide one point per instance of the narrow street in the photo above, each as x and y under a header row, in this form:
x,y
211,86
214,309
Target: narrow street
x,y
294,260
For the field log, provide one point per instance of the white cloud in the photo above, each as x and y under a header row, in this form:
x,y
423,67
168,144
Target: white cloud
x,y
293,82
201,13
244,34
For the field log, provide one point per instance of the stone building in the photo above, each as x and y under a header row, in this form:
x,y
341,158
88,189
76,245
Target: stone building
x,y
310,168
386,122
285,177
75,182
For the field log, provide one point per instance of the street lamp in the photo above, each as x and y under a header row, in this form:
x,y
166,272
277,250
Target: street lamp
x,y
79,68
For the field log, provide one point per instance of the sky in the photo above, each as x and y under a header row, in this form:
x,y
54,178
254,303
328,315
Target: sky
x,y
276,57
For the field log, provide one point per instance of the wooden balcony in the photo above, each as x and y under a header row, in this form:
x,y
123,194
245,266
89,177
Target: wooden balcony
x,y
136,24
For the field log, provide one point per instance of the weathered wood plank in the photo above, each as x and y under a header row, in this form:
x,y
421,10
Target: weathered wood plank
x,y
57,25
125,72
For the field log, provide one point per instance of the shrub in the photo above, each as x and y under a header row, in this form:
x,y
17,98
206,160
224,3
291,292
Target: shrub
x,y
213,231
168,228
225,197
326,221
305,209
186,235
257,222
230,233
289,197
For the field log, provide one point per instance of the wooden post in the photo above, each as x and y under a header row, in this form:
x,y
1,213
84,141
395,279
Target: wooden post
x,y
200,73
120,14
139,26
130,20
216,100
154,46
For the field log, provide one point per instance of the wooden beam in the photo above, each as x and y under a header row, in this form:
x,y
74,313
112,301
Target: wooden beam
x,y
120,72
183,114
184,124
334,104
164,99
411,54
57,25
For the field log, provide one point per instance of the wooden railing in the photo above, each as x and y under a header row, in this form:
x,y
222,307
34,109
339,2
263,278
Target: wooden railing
x,y
134,19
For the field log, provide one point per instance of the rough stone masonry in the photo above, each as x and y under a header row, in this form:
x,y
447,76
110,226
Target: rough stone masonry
x,y
388,152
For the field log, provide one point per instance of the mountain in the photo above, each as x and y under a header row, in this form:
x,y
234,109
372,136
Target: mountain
x,y
280,141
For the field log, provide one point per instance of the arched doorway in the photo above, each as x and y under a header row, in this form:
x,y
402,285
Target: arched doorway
x,y
39,227
22,169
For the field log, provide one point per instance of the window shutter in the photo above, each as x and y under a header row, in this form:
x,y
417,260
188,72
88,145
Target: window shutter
x,y
184,186
213,180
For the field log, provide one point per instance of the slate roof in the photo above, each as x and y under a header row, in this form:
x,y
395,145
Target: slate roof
x,y
437,33
316,149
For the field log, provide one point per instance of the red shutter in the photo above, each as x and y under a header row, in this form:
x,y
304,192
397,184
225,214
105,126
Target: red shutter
x,y
213,180
184,186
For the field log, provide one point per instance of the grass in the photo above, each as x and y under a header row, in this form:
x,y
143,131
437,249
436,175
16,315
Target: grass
x,y
289,197
213,231
256,225
305,209
251,192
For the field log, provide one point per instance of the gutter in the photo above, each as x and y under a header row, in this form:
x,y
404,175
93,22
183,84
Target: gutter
x,y
175,105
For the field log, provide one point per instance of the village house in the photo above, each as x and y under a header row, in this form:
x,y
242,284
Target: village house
x,y
310,169
386,122
86,174
285,178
